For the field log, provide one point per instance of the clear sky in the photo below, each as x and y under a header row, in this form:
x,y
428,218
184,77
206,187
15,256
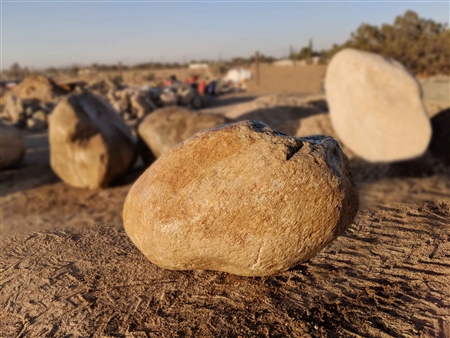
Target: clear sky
x,y
40,34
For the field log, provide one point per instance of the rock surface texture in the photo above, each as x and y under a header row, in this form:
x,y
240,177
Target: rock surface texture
x,y
376,107
90,144
12,147
243,199
165,128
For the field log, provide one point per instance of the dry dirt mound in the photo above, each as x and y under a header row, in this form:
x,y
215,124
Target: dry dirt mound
x,y
387,276
38,87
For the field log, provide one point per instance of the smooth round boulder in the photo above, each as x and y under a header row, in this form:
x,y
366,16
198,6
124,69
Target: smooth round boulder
x,y
376,107
165,128
241,198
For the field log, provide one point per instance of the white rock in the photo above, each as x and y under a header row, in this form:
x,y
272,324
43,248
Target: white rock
x,y
376,107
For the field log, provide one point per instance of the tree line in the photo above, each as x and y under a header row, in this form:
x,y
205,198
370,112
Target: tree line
x,y
421,45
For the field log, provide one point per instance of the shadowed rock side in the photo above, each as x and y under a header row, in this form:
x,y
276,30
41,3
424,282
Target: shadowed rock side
x,y
281,112
241,198
90,145
165,128
376,107
386,276
12,146
440,142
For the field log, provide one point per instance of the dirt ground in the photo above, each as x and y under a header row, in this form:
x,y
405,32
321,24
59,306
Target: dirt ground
x,y
69,270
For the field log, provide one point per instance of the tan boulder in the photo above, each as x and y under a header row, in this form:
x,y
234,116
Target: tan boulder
x,y
12,146
90,145
376,107
13,108
243,199
165,128
38,87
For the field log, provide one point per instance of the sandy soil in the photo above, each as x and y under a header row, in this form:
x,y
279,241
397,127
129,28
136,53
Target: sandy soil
x,y
387,276
69,270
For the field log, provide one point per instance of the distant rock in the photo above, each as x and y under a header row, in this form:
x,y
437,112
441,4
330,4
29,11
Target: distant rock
x,y
90,145
102,86
140,105
168,98
243,199
38,87
376,107
13,109
35,124
37,121
165,128
12,147
186,94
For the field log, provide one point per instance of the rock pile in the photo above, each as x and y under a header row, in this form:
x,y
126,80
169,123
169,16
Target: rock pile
x,y
131,103
376,107
90,145
241,198
30,113
29,103
167,127
182,95
39,88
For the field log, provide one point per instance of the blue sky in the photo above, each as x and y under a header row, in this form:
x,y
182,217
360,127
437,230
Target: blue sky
x,y
43,34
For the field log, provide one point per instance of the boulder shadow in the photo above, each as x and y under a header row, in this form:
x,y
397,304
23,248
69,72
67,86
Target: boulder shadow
x,y
222,101
282,118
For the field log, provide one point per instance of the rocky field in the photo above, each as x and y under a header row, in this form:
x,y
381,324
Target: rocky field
x,y
68,269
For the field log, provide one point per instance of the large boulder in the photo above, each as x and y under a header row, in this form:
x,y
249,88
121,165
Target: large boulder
x,y
376,107
12,147
165,128
241,198
38,87
90,144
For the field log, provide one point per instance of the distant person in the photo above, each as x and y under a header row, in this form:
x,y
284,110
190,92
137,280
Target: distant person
x,y
202,87
211,88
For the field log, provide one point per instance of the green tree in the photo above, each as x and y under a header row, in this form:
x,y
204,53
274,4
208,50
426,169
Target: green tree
x,y
421,45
